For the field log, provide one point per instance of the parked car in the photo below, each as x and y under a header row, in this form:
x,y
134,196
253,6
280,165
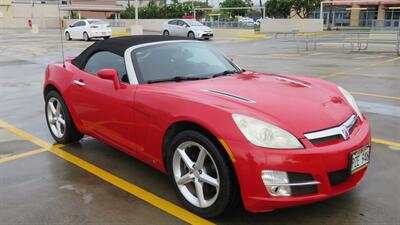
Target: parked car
x,y
189,28
87,29
219,132
245,20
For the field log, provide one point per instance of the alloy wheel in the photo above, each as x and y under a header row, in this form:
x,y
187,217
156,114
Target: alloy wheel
x,y
86,36
196,174
56,118
67,36
191,35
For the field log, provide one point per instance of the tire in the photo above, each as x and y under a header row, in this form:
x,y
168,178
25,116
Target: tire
x,y
191,35
106,37
219,192
86,36
67,132
166,33
67,36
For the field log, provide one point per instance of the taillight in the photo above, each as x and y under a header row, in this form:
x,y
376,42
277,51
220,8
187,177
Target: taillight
x,y
108,25
94,26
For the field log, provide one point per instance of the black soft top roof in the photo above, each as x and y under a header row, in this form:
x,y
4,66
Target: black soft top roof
x,y
118,46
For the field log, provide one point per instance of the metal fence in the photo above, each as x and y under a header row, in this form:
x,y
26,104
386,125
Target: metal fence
x,y
230,24
350,41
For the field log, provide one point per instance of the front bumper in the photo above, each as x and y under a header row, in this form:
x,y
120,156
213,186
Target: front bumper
x,y
319,161
204,35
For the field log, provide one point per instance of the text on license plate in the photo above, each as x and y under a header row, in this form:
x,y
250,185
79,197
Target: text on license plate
x,y
359,159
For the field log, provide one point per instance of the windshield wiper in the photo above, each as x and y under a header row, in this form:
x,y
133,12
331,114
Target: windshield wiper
x,y
175,79
226,72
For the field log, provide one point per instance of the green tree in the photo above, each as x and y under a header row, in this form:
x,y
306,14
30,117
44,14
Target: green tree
x,y
278,8
303,8
154,11
234,3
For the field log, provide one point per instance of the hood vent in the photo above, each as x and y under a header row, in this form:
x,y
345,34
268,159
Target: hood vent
x,y
229,95
293,81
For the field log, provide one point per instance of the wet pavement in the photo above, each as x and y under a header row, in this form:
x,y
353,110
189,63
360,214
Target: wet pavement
x,y
46,189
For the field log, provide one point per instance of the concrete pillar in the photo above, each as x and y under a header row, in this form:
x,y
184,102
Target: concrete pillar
x,y
355,16
79,14
381,13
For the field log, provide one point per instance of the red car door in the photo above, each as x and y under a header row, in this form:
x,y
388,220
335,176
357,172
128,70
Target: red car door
x,y
104,111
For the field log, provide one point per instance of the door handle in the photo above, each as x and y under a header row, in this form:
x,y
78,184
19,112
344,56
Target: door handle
x,y
79,83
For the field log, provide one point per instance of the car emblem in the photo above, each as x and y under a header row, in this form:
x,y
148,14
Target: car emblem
x,y
344,132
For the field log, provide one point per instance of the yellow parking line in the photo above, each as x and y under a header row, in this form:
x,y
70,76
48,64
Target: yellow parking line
x,y
149,197
154,200
34,152
385,142
252,36
25,135
349,72
376,95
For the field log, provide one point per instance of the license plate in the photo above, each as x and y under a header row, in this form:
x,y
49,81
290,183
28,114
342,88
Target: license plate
x,y
104,33
359,159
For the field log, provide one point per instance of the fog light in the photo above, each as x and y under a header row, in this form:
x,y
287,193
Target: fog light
x,y
276,182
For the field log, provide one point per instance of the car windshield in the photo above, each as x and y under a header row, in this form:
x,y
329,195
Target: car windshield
x,y
180,61
193,23
96,22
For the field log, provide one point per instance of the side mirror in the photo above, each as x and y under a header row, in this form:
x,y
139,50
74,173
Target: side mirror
x,y
110,74
71,25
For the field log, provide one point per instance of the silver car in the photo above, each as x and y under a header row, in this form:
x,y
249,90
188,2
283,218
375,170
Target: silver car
x,y
187,28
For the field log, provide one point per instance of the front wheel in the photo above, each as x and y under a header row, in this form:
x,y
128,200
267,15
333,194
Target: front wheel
x,y
203,179
67,36
59,120
86,36
191,35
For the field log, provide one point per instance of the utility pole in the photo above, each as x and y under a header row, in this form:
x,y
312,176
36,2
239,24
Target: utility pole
x,y
262,10
129,3
136,12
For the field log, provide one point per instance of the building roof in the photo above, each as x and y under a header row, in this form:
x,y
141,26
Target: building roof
x,y
118,46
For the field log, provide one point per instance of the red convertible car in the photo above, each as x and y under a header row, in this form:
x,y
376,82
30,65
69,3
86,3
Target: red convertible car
x,y
221,133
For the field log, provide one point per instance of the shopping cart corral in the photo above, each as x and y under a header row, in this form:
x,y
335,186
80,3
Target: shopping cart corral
x,y
360,41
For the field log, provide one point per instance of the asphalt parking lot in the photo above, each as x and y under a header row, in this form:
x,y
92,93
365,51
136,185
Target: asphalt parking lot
x,y
91,183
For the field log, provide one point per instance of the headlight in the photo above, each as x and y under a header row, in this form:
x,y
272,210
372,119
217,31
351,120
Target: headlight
x,y
264,134
350,99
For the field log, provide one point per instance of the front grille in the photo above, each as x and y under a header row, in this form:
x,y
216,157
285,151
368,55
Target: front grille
x,y
325,139
342,131
302,178
338,177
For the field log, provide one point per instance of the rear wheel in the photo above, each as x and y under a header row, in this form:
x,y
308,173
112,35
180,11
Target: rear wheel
x,y
202,176
67,36
86,36
106,37
166,33
191,35
59,120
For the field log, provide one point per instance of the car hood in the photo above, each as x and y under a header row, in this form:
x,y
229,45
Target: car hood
x,y
299,105
201,28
